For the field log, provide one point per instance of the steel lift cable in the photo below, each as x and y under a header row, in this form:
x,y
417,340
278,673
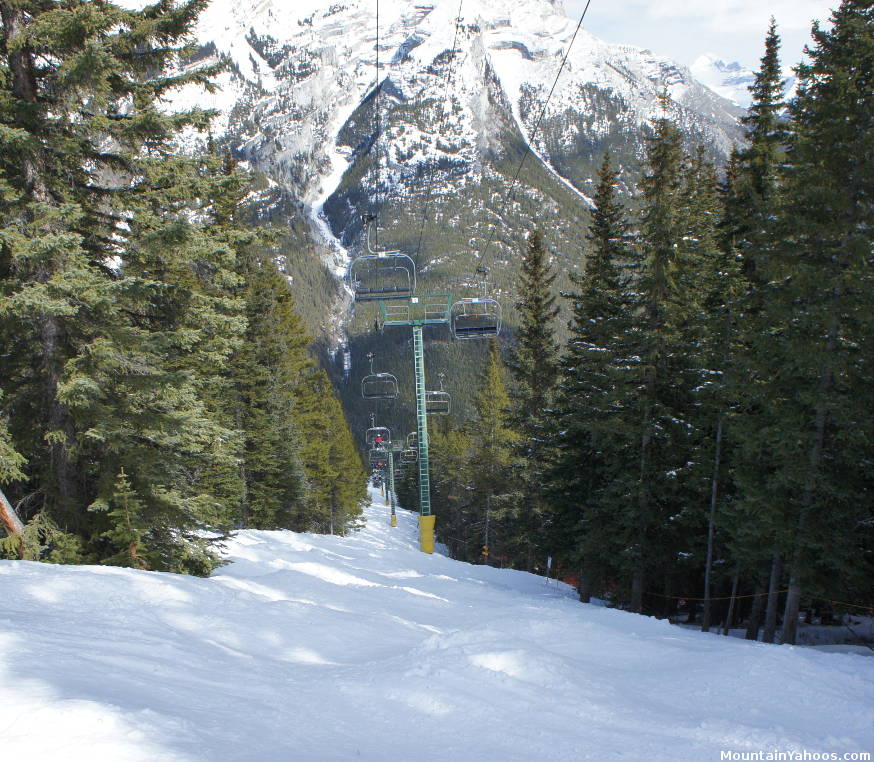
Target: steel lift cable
x,y
430,184
528,142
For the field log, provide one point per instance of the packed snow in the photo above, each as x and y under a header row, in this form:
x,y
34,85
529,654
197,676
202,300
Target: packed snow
x,y
308,647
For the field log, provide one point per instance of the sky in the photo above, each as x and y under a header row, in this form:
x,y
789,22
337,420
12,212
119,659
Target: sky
x,y
734,30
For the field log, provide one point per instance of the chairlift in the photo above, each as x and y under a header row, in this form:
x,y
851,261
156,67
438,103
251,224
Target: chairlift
x,y
476,318
409,456
378,386
377,457
437,402
377,436
413,440
382,274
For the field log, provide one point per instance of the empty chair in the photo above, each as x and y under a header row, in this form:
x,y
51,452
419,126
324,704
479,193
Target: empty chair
x,y
476,318
382,275
389,275
438,402
378,386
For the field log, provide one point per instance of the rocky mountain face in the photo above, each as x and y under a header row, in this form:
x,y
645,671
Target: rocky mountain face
x,y
458,99
433,143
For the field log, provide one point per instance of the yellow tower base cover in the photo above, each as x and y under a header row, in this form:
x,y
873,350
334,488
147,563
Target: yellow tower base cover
x,y
394,519
426,533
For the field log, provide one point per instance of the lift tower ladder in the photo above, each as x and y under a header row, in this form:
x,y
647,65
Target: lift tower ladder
x,y
421,422
391,485
417,312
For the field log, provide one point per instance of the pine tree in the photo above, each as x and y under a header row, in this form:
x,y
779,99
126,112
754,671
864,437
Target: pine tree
x,y
332,463
70,72
756,188
274,354
751,201
452,463
493,444
128,526
115,294
11,462
720,284
815,362
662,404
534,367
592,393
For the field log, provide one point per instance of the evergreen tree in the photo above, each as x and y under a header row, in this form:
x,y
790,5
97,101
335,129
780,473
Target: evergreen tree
x,y
751,200
11,462
452,464
78,86
652,489
720,285
332,463
493,442
533,363
755,190
128,526
815,360
266,369
115,295
593,390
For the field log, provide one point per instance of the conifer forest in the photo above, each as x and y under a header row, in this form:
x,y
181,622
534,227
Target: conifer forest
x,y
681,426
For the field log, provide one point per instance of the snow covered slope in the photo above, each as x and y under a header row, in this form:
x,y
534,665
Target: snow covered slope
x,y
362,648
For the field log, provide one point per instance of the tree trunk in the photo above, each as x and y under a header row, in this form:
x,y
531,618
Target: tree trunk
x,y
793,597
756,614
585,588
729,617
790,613
773,595
11,523
20,58
643,511
486,548
637,591
714,493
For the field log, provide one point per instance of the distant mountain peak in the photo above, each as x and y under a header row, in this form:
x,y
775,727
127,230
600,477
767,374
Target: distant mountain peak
x,y
731,80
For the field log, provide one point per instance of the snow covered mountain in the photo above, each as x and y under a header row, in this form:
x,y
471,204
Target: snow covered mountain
x,y
730,80
317,649
459,100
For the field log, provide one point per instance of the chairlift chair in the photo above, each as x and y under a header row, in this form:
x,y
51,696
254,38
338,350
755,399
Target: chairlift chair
x,y
477,317
413,440
376,436
377,457
382,274
438,402
378,386
409,456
